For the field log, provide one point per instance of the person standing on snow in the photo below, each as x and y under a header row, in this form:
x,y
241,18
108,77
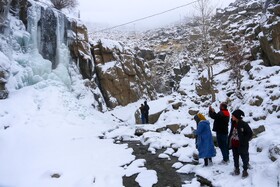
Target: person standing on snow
x,y
142,111
146,111
205,144
221,120
239,137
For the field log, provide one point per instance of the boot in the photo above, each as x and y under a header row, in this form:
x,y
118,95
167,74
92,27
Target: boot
x,y
205,161
244,174
235,172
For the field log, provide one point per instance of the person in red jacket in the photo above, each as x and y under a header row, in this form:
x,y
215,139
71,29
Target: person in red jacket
x,y
239,137
220,126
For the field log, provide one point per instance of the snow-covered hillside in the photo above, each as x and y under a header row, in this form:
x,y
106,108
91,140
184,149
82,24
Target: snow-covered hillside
x,y
264,149
51,133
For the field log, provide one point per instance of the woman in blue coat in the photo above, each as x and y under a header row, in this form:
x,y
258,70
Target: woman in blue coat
x,y
205,144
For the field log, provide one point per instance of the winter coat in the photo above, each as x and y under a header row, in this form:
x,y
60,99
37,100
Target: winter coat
x,y
205,143
142,110
221,120
245,134
146,109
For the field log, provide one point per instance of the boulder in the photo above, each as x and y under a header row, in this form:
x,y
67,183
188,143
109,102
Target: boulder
x,y
139,132
274,152
153,118
258,130
259,118
256,101
191,135
174,128
161,129
203,181
176,106
146,54
193,112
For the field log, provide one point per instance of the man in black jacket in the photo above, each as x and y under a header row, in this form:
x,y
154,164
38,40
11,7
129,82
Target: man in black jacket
x,y
220,126
146,111
239,137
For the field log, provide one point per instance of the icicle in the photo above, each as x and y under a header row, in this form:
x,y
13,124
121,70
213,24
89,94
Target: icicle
x,y
34,15
62,52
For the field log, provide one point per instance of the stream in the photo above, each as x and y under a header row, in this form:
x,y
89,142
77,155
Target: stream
x,y
167,175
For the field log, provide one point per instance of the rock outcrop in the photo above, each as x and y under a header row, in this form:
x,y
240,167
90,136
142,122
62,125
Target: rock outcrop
x,y
80,49
121,74
4,74
4,9
270,36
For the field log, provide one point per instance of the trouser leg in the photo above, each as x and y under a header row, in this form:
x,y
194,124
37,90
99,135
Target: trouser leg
x,y
143,118
245,160
222,140
235,157
147,118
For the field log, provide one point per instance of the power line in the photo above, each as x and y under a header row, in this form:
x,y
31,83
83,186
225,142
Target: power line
x,y
140,19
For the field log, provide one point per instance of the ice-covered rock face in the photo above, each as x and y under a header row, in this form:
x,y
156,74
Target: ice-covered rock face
x,y
48,27
4,74
4,8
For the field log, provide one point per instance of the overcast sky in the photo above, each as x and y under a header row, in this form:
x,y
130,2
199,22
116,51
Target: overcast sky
x,y
115,12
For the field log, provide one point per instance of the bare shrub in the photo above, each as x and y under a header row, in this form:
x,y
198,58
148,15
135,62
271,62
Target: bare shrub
x,y
60,4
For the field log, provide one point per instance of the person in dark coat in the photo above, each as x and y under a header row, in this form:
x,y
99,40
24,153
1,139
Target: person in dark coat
x,y
142,110
239,137
146,111
205,144
220,126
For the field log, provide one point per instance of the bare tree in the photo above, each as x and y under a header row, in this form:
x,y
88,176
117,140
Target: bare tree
x,y
233,54
205,11
60,4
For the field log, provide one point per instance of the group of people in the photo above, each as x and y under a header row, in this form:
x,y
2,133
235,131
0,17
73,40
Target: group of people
x,y
144,109
237,140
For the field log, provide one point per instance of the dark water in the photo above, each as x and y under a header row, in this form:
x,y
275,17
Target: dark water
x,y
167,175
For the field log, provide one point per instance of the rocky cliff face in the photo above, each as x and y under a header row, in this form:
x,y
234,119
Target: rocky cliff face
x,y
122,76
255,25
270,36
252,25
61,40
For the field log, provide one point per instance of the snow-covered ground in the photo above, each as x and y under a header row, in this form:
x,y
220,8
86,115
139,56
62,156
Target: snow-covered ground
x,y
263,171
50,133
49,126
